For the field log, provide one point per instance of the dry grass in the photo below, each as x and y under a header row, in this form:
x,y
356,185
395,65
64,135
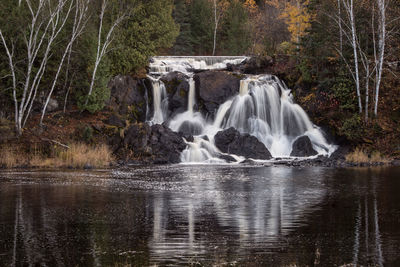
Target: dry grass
x,y
377,157
360,156
9,158
78,155
357,156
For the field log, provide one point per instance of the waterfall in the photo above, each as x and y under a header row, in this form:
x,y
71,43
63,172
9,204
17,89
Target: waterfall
x,y
191,100
263,108
160,65
160,102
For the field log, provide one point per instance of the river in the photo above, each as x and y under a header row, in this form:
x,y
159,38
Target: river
x,y
201,215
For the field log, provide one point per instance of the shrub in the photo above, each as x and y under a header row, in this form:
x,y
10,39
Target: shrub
x,y
87,134
352,128
343,90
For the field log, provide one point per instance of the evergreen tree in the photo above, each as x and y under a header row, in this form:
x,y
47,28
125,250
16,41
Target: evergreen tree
x,y
149,29
201,26
181,14
235,30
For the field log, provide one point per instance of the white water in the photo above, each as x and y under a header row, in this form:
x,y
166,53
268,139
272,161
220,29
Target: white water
x,y
161,65
160,101
263,108
191,100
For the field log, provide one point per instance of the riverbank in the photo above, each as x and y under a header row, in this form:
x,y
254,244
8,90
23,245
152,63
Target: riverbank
x,y
120,135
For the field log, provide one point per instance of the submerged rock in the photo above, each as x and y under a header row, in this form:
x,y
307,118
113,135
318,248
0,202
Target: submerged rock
x,y
214,88
302,147
233,142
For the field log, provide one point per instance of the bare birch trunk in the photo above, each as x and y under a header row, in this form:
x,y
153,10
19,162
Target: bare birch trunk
x,y
45,25
102,48
215,26
381,50
77,29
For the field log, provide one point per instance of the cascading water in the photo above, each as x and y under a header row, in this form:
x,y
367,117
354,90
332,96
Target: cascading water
x,y
162,65
263,108
160,101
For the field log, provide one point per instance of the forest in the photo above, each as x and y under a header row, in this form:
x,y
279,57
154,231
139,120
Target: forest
x,y
341,58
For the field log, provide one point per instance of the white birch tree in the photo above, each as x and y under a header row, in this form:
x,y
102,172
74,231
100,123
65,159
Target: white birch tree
x,y
80,21
349,8
103,46
46,21
379,59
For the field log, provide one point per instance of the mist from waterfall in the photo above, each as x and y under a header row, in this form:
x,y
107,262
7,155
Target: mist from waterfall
x,y
263,108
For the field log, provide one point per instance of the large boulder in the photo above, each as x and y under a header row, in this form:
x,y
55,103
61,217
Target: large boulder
x,y
148,144
166,145
233,142
302,147
137,137
214,88
177,87
253,65
128,98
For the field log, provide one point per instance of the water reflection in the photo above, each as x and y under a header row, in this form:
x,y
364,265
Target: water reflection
x,y
201,214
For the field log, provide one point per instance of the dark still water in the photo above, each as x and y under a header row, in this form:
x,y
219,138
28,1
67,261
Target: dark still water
x,y
201,215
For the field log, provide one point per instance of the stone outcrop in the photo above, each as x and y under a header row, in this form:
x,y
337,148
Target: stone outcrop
x,y
233,142
302,147
177,88
213,88
128,98
148,144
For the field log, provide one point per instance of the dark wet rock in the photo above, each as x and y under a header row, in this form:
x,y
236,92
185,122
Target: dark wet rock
x,y
396,162
227,158
177,87
253,65
214,88
233,142
252,162
166,145
137,136
115,120
148,144
188,138
302,147
340,153
190,128
87,166
205,137
128,98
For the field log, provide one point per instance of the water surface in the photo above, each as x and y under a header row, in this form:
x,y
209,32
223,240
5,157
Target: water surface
x,y
201,215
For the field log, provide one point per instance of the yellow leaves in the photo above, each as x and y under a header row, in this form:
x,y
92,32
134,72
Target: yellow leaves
x,y
295,15
251,6
296,18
